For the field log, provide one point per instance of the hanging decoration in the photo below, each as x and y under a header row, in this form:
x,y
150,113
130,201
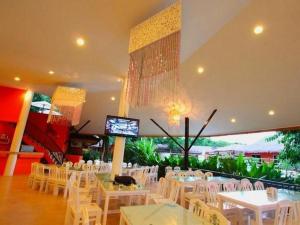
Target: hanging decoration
x,y
178,107
68,102
154,49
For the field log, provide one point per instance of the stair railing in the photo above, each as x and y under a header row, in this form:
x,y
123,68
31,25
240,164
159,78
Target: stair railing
x,y
43,139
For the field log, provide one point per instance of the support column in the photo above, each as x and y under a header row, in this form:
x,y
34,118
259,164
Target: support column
x,y
119,147
18,135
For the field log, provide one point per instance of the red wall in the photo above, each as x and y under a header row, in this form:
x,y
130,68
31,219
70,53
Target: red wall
x,y
11,102
6,134
58,132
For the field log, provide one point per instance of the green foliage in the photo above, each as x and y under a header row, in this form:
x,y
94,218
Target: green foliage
x,y
142,152
227,165
291,151
90,155
39,97
211,163
241,166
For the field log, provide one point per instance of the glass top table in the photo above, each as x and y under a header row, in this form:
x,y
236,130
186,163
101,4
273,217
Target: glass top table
x,y
108,186
258,201
161,214
108,189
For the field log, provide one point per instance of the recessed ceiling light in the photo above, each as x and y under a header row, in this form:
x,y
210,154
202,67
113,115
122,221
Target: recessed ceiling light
x,y
271,112
119,79
232,120
200,69
113,98
80,41
258,29
51,72
17,79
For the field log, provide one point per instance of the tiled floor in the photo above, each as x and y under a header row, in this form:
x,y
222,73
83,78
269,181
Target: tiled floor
x,y
20,205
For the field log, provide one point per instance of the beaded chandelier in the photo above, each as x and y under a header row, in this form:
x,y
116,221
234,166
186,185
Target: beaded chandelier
x,y
68,102
154,50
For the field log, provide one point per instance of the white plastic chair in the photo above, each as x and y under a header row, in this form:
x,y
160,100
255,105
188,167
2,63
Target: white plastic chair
x,y
215,217
198,173
161,190
168,169
212,189
52,178
258,185
283,214
246,186
75,209
176,168
198,192
40,177
61,180
199,208
32,173
229,186
208,174
173,195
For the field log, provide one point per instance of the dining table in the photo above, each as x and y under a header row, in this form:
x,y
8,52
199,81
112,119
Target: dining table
x,y
160,214
258,201
108,189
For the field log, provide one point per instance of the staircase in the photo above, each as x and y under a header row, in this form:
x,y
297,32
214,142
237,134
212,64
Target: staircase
x,y
51,157
44,142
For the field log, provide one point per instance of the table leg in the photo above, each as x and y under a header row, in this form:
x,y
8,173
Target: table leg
x,y
98,198
105,210
182,196
122,221
220,204
147,199
258,217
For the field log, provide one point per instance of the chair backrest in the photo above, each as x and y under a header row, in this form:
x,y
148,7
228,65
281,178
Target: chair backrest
x,y
212,189
162,187
170,174
200,186
174,191
208,174
62,174
229,186
177,168
246,186
216,217
199,208
34,168
168,168
258,185
198,173
53,173
40,170
283,213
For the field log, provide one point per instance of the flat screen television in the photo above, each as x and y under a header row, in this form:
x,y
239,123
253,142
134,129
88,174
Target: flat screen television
x,y
121,126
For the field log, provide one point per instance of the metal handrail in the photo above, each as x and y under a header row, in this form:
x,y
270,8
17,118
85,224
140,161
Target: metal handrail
x,y
43,139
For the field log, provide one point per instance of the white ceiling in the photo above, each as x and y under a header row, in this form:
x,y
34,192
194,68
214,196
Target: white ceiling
x,y
245,75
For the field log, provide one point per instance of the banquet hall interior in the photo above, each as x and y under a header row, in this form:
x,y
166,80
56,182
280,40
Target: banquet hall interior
x,y
124,112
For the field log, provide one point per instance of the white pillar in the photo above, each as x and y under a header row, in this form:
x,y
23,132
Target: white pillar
x,y
120,141
18,135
